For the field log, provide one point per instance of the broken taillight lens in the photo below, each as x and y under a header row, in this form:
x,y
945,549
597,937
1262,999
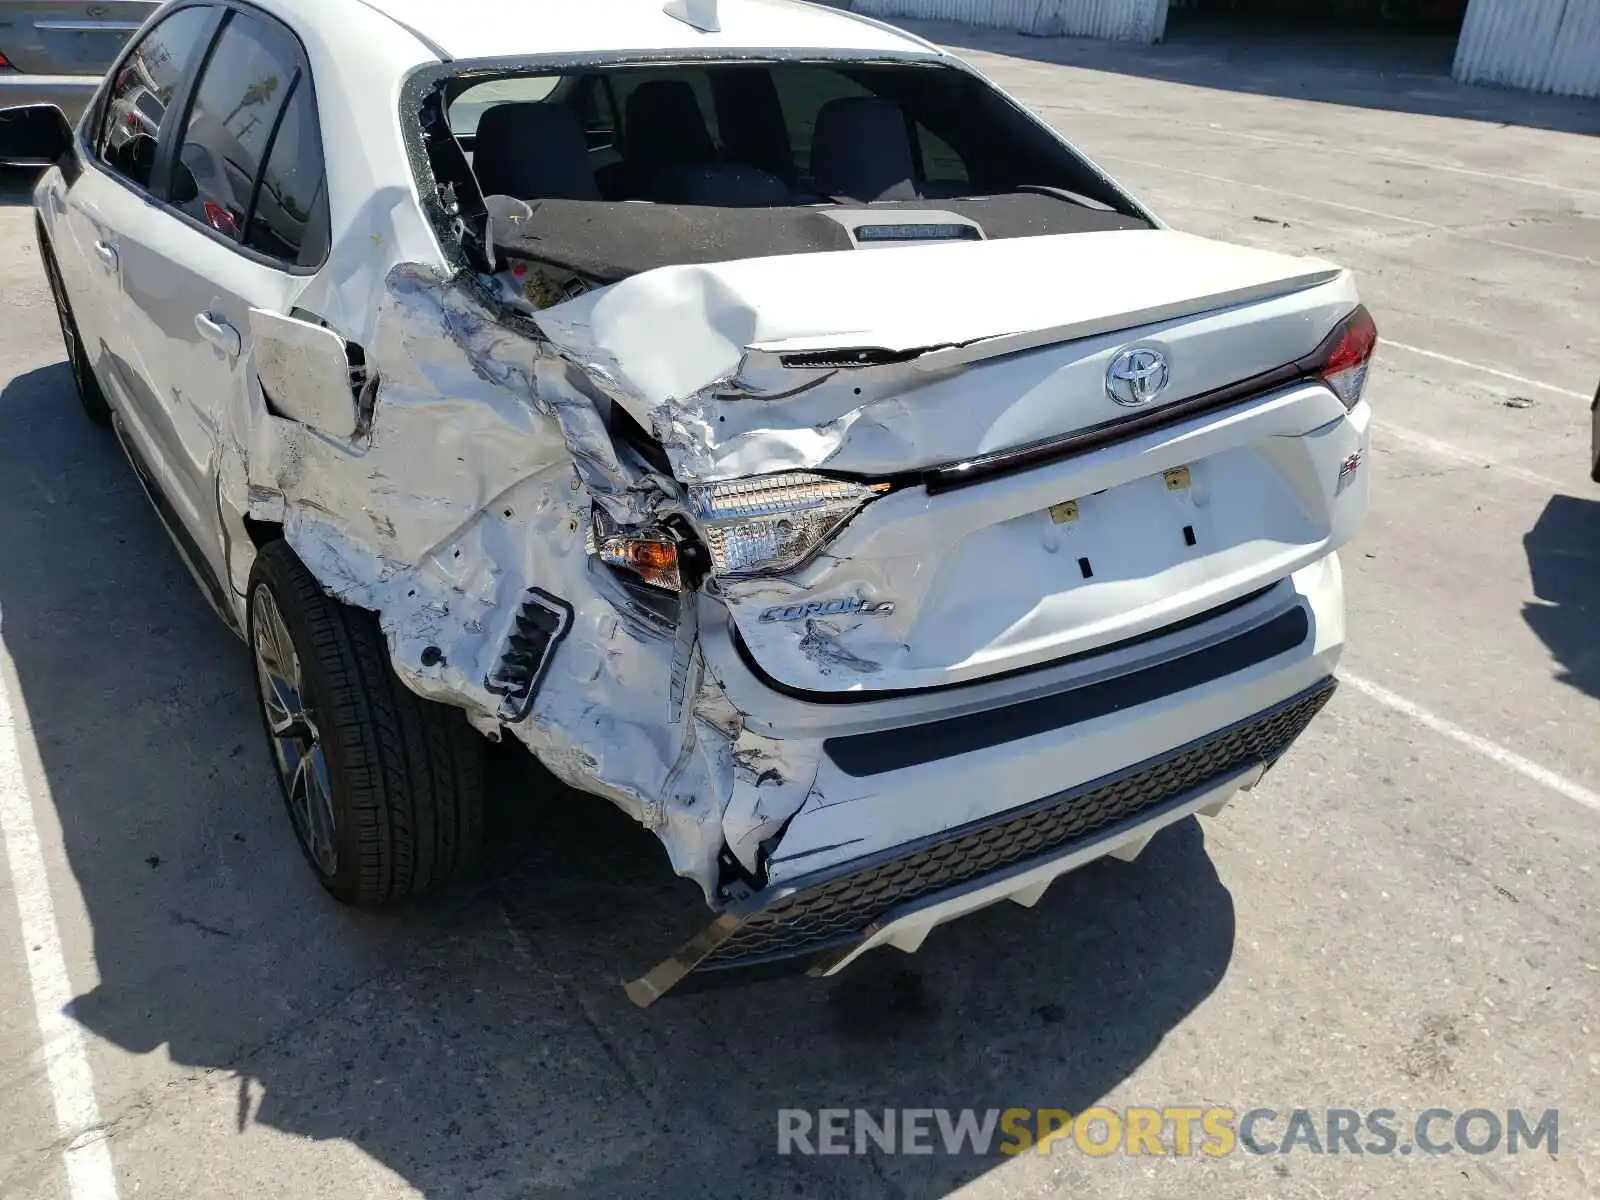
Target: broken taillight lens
x,y
1347,356
774,523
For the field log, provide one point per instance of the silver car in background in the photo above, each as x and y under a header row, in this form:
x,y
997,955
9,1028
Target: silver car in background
x,y
58,51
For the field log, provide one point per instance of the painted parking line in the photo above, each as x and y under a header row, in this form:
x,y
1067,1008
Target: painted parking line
x,y
1364,152
86,1154
1450,452
1493,751
1523,380
1471,235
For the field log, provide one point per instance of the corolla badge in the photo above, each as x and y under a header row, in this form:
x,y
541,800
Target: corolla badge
x,y
1137,376
843,606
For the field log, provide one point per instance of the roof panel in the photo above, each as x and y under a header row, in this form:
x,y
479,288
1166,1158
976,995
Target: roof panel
x,y
506,28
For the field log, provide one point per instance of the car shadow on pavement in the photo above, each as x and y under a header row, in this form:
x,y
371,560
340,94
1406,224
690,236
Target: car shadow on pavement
x,y
1564,562
1363,68
16,186
481,1044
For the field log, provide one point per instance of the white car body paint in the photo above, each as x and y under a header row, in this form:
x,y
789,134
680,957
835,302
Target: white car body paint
x,y
971,300
472,469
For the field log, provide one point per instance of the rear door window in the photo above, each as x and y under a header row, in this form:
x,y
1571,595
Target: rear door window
x,y
250,166
235,112
135,119
290,220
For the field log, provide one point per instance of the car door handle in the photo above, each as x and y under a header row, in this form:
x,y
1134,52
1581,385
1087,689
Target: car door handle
x,y
107,254
219,333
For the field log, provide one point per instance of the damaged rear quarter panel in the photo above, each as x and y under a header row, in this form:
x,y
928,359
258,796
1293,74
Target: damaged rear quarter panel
x,y
486,453
489,449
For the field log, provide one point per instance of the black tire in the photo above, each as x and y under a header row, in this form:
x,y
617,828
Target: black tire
x,y
88,387
404,777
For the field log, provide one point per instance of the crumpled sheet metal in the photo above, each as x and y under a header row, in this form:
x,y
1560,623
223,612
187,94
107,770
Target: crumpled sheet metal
x,y
724,404
486,451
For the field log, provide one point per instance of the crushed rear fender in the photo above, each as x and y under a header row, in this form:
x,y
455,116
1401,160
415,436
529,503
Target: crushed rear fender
x,y
449,477
461,498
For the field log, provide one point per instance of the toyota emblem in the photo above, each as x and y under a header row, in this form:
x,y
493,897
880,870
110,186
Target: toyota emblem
x,y
1137,376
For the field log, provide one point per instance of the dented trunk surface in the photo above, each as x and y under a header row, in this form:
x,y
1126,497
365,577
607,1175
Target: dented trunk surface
x,y
454,480
893,364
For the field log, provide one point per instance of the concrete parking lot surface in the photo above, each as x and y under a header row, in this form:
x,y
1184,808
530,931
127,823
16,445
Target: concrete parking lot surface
x,y
1404,916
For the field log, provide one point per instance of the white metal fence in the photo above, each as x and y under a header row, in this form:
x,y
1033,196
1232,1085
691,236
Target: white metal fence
x,y
1116,20
1542,45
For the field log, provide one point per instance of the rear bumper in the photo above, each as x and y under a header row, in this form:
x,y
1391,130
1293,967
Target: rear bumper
x,y
70,93
927,807
822,923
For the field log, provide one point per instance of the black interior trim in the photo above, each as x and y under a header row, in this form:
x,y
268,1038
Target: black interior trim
x,y
863,754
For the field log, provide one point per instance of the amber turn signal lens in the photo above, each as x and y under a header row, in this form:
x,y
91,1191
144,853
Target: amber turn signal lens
x,y
653,560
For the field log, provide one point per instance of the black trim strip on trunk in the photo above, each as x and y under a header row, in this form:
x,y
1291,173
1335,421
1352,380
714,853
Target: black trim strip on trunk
x,y
864,754
1096,437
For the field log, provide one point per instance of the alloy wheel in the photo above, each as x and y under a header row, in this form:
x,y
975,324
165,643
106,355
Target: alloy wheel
x,y
293,733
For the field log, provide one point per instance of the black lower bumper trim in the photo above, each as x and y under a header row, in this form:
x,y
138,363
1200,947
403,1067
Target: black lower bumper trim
x,y
875,753
793,925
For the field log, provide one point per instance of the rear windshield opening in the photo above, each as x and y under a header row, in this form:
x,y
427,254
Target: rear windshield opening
x,y
753,135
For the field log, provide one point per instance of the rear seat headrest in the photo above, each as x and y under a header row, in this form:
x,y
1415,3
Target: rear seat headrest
x,y
861,149
664,127
533,151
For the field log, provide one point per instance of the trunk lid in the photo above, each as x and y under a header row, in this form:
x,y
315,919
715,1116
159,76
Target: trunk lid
x,y
894,363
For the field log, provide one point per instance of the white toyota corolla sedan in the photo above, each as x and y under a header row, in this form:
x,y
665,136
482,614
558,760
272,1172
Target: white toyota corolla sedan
x,y
742,405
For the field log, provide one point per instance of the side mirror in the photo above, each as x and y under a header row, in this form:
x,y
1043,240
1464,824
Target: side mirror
x,y
34,136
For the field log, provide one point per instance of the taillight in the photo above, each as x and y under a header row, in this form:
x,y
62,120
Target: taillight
x,y
1343,359
770,524
4,61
